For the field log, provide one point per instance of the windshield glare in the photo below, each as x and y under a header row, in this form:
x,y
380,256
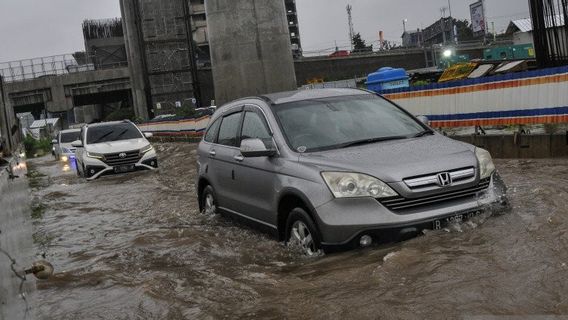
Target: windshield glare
x,y
115,132
324,124
68,137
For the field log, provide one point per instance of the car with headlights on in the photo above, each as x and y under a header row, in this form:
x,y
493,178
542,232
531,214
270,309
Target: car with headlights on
x,y
62,148
111,148
339,167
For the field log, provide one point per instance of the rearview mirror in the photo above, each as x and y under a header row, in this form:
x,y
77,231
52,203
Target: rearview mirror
x,y
424,120
77,144
255,148
148,134
54,141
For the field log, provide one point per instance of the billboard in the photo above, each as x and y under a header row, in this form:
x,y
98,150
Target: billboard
x,y
477,17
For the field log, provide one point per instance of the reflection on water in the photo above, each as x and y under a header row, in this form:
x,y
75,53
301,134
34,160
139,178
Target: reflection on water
x,y
134,246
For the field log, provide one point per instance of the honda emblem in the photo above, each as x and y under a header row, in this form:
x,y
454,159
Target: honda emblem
x,y
444,179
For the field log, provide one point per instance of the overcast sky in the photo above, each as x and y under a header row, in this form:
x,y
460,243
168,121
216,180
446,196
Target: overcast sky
x,y
36,28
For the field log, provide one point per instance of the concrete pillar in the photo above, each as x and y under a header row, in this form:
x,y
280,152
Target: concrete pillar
x,y
136,60
250,48
7,122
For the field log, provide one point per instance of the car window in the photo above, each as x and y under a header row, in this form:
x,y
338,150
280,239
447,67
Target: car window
x,y
254,127
324,124
112,132
68,137
229,130
212,131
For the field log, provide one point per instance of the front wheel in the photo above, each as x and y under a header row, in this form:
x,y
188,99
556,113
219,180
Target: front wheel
x,y
209,201
301,231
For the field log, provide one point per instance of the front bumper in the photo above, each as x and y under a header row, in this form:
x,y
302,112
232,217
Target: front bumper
x,y
95,168
343,221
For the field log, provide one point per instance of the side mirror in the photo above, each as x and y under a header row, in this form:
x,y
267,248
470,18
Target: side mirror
x,y
148,134
54,141
424,120
255,148
77,144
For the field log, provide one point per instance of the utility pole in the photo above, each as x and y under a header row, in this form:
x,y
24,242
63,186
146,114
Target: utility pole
x,y
453,36
351,30
5,130
443,11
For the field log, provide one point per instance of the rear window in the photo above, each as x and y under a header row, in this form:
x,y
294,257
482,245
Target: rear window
x,y
68,137
114,132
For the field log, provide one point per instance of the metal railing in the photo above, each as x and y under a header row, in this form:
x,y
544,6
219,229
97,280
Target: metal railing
x,y
28,69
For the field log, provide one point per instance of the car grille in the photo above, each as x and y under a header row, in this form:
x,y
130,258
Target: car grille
x,y
129,157
401,203
457,175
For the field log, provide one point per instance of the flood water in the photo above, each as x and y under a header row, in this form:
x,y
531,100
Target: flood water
x,y
135,247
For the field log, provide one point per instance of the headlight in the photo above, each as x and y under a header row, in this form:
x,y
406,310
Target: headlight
x,y
356,185
147,149
486,166
94,155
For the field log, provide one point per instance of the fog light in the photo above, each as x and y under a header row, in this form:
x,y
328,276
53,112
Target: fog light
x,y
365,241
92,171
153,163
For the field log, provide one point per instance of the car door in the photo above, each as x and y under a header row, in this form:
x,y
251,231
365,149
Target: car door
x,y
222,158
256,176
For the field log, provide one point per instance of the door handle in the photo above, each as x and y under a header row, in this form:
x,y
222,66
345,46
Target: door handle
x,y
212,153
239,158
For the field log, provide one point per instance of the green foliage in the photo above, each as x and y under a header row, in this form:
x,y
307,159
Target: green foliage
x,y
421,83
187,110
121,114
464,30
35,147
359,45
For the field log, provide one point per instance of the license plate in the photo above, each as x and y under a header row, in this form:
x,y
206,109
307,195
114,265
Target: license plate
x,y
123,169
458,218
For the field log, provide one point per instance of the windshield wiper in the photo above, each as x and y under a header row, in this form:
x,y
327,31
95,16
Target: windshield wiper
x,y
120,134
103,136
423,133
369,141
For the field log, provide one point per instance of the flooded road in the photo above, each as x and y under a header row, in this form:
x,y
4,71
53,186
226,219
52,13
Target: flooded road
x,y
135,247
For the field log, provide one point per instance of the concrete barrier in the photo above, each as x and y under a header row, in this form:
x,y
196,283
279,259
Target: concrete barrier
x,y
15,242
521,146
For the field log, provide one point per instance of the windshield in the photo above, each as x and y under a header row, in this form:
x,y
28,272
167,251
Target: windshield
x,y
114,132
324,124
68,137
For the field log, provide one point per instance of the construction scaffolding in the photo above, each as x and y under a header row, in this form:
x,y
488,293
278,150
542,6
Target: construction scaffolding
x,y
550,32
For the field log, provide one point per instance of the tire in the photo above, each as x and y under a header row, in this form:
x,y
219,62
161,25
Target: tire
x,y
209,201
302,231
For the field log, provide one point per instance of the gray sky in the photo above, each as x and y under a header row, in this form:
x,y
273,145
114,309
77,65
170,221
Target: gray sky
x,y
36,28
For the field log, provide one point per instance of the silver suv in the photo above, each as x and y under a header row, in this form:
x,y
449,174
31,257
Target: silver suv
x,y
336,167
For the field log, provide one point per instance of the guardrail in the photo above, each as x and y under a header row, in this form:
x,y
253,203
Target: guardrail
x,y
176,127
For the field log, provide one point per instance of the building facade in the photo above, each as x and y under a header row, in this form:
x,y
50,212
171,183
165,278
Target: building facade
x,y
439,32
412,39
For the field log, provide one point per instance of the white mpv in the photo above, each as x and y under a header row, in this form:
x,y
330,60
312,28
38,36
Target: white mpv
x,y
113,147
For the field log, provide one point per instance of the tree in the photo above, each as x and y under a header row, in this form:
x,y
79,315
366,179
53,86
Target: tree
x,y
464,30
359,44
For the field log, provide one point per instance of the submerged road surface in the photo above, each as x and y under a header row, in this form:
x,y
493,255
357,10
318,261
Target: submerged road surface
x,y
135,247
